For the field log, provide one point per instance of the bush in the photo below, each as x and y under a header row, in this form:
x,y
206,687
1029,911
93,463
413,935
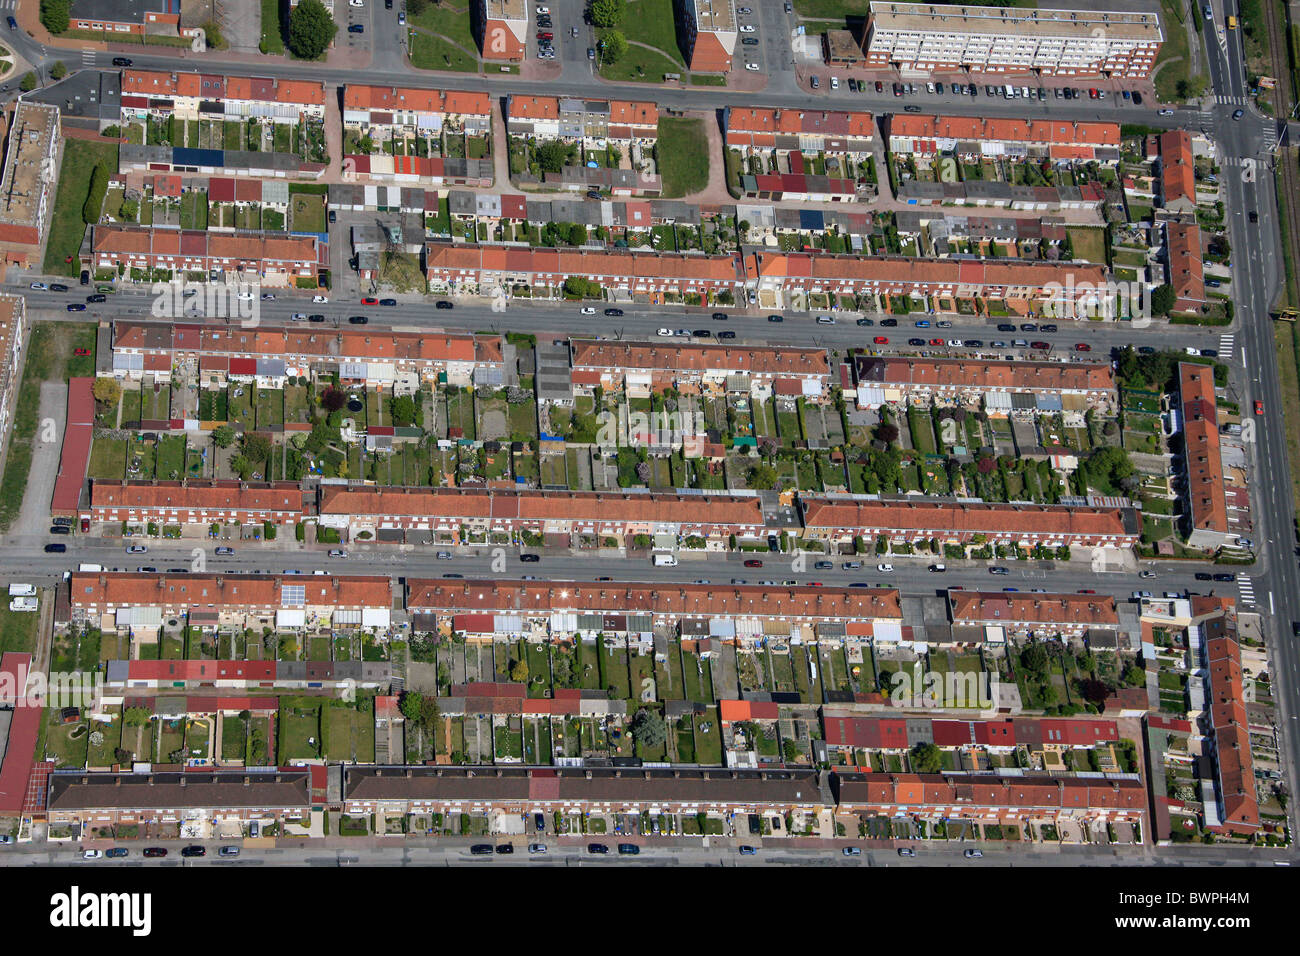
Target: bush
x,y
95,200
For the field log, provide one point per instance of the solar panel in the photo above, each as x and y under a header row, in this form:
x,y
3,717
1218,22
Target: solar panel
x,y
293,595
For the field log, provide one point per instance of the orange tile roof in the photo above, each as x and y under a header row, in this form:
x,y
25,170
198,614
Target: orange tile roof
x,y
902,272
828,123
634,113
386,98
1205,488
1186,266
1027,792
103,589
984,375
198,496
953,517
1177,166
254,88
982,129
773,360
980,607
532,107
618,264
678,600
577,506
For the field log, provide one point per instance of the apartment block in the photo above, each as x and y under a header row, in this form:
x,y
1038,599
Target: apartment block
x,y
710,32
33,156
503,26
941,38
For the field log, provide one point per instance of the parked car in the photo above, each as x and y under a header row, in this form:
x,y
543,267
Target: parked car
x,y
906,851
482,849
505,849
91,854
530,558
597,848
193,850
225,552
154,852
628,849
852,851
537,848
228,851
746,850
117,853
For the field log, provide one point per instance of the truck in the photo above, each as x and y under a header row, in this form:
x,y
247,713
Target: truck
x,y
90,567
665,560
24,604
22,590
1232,23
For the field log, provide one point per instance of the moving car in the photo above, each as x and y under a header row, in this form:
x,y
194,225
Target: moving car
x,y
614,312
137,549
974,854
1259,407
225,552
906,851
117,60
358,319
530,558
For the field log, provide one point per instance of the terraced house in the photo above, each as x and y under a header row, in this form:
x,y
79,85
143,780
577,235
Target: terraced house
x,y
381,111
458,514
172,675
1056,141
143,251
838,521
145,602
376,359
1025,615
778,132
641,369
139,503
594,123
1000,388
211,96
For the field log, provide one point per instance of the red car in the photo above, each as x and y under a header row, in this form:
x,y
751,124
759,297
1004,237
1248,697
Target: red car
x,y
753,563
81,351
370,300
881,340
1259,407
936,341
1082,347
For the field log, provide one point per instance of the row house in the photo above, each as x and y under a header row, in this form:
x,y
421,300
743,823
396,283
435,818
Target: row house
x,y
159,797
216,501
1186,265
592,122
371,357
129,600
847,732
999,387
273,259
1207,500
838,521
945,38
511,700
799,187
1236,806
462,512
782,131
189,161
1018,800
741,613
943,229
212,96
382,111
1024,614
168,675
1177,171
463,268
599,790
974,137
1023,286
1002,195
433,170
642,368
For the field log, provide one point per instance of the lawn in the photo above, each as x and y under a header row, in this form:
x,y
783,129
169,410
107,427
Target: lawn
x,y
80,158
18,630
435,53
1172,63
272,43
308,214
1089,243
683,156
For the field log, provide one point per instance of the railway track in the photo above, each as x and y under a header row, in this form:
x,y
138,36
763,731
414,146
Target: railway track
x,y
1284,94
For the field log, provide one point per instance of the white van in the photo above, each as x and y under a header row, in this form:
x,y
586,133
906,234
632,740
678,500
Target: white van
x,y
1011,91
665,560
90,567
21,590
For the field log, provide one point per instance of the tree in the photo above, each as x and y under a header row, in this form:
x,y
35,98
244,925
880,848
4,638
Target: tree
x,y
332,399
416,7
1162,300
1034,658
223,436
607,13
240,466
552,155
98,188
886,433
577,234
107,391
762,477
613,47
649,729
255,446
409,704
519,671
55,15
926,758
58,70
402,410
311,29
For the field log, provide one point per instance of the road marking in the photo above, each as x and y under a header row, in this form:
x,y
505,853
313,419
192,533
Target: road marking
x,y
1246,589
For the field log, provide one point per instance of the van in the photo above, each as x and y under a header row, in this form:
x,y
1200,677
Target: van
x,y
22,590
665,560
93,568
1010,91
938,567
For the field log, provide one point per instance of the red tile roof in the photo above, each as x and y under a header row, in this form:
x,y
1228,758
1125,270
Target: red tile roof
x,y
1205,487
989,129
105,589
950,518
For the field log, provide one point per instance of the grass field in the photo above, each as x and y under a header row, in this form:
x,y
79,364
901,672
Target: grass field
x,y
1089,243
435,53
18,630
66,228
683,156
1172,64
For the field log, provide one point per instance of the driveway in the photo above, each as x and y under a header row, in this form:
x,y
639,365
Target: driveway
x,y
241,24
34,519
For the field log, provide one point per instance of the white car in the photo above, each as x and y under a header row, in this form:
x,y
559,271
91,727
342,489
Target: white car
x,y
542,11
320,298
245,297
268,296
884,568
39,286
835,82
91,854
752,67
298,317
1166,112
748,28
588,310
954,343
356,3
667,333
1191,351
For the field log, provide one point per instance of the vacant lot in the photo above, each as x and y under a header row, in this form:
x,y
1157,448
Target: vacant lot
x,y
67,228
683,156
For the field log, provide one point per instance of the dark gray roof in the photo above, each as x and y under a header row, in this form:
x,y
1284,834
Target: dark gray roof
x,y
287,789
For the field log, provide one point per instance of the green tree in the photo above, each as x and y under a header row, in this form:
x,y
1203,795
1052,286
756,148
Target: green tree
x,y
1162,299
519,671
255,446
311,29
649,729
762,477
107,391
577,234
410,704
613,47
552,155
607,13
223,436
55,15
926,758
98,187
58,70
1034,658
402,409
416,7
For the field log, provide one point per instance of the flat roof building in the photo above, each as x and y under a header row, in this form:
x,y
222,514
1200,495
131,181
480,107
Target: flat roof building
x,y
710,31
31,172
929,38
504,30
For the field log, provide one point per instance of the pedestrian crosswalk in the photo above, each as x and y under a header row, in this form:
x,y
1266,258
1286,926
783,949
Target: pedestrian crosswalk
x,y
1246,589
1270,136
1225,344
1245,162
1223,100
87,57
8,4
